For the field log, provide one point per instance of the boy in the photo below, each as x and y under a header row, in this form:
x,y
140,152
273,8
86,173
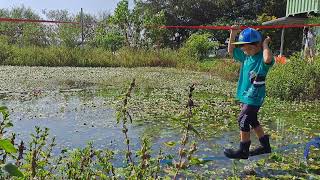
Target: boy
x,y
256,59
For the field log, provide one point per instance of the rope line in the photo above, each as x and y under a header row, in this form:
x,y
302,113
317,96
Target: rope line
x,y
174,27
242,27
35,21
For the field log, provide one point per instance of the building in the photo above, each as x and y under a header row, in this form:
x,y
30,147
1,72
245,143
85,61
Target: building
x,y
296,13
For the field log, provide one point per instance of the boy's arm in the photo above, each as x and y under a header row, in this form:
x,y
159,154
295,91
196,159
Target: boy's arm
x,y
267,54
233,33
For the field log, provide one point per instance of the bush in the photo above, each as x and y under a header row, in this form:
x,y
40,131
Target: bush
x,y
296,80
111,41
5,50
199,46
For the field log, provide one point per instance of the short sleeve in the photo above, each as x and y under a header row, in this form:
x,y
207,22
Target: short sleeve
x,y
238,55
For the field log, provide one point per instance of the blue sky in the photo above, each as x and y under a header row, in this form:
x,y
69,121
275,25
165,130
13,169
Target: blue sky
x,y
73,6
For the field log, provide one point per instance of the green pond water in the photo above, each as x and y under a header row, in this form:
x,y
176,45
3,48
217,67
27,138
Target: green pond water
x,y
79,105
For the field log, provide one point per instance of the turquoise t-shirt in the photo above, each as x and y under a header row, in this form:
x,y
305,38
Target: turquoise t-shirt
x,y
251,85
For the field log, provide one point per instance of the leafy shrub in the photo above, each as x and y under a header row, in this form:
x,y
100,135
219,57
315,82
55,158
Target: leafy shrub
x,y
110,41
5,50
296,80
199,46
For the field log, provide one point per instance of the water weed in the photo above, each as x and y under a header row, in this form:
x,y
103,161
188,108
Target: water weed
x,y
186,155
156,108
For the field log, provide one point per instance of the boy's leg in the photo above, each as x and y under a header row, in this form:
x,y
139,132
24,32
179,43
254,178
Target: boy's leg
x,y
259,131
264,140
244,136
305,52
255,124
248,114
264,147
312,54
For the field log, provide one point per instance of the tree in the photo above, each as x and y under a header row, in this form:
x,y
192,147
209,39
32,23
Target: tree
x,y
154,34
214,12
200,45
63,34
107,38
23,33
180,12
89,26
121,19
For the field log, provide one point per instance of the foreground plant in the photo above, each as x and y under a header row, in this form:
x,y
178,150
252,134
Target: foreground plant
x,y
7,148
38,159
147,167
184,154
123,116
87,163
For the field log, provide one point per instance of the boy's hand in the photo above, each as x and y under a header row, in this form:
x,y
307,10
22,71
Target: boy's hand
x,y
267,55
267,41
235,29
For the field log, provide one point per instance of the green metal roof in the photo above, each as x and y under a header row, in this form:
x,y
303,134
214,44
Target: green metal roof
x,y
302,6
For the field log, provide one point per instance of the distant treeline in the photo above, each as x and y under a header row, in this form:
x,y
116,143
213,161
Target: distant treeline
x,y
137,27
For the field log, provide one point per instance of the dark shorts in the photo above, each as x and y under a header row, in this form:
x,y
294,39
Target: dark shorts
x,y
248,117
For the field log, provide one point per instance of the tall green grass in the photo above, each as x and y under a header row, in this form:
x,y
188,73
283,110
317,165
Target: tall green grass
x,y
90,57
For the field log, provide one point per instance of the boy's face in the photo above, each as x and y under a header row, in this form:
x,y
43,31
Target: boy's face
x,y
251,49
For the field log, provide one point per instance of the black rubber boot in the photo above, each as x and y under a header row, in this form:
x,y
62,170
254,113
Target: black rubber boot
x,y
242,153
264,147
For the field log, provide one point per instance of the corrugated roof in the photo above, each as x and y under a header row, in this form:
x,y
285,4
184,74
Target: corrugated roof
x,y
295,7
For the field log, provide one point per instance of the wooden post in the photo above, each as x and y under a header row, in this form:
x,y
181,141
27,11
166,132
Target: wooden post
x,y
81,20
303,43
282,42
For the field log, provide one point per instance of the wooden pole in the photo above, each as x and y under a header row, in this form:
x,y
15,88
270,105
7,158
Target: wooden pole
x,y
81,20
282,42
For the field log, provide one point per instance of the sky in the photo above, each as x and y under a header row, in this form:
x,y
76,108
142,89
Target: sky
x,y
93,7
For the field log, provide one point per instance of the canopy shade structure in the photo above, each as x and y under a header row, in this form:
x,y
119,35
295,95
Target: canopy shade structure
x,y
285,21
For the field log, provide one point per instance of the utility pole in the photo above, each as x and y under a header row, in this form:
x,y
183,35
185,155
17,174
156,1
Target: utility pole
x,y
81,21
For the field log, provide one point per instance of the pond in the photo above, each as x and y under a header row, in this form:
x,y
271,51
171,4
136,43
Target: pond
x,y
79,105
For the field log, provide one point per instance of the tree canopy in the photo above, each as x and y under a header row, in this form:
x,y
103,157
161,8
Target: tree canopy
x,y
137,27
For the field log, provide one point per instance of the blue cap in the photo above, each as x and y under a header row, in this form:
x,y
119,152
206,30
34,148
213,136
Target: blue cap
x,y
249,35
